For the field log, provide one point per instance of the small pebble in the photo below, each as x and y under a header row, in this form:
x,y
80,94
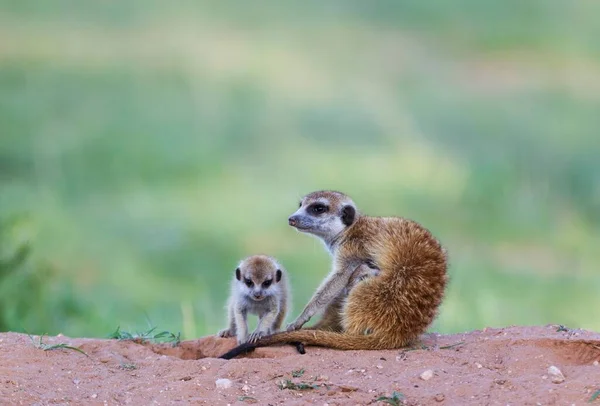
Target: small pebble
x,y
245,388
427,375
596,363
556,374
439,397
94,396
478,365
223,383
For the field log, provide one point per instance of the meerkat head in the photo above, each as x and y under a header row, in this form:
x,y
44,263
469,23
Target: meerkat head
x,y
258,277
324,214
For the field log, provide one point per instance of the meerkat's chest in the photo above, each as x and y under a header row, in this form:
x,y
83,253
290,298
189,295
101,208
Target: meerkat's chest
x,y
260,307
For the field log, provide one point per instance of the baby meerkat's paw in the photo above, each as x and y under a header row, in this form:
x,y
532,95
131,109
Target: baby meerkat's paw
x,y
255,336
226,333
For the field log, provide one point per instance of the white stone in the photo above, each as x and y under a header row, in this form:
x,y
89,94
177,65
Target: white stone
x,y
556,374
427,375
223,383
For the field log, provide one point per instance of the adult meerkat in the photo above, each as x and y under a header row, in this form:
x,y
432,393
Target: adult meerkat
x,y
260,287
392,270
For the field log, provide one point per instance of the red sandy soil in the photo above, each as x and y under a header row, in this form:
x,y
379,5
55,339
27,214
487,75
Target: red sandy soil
x,y
489,367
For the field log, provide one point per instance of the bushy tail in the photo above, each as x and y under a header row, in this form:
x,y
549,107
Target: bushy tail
x,y
338,341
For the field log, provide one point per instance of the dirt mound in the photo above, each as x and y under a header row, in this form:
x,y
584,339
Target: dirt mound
x,y
494,366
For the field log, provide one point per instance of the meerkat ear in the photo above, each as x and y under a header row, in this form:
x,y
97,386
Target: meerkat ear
x,y
278,275
238,274
348,214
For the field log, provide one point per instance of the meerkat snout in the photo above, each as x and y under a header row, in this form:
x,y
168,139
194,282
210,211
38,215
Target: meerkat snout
x,y
324,215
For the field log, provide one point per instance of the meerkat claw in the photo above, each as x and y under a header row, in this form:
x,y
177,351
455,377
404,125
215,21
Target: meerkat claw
x,y
226,333
254,337
294,326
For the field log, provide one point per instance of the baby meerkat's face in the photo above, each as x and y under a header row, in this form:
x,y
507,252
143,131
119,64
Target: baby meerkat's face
x,y
258,277
324,214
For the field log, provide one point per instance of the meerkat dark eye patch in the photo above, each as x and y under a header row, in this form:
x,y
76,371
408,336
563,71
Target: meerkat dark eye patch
x,y
278,275
248,282
317,208
266,284
348,215
238,274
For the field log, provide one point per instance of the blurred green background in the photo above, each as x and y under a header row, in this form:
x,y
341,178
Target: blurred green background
x,y
147,146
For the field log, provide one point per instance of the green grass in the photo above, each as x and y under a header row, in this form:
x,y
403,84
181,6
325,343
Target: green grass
x,y
290,385
146,147
128,366
48,347
395,399
150,335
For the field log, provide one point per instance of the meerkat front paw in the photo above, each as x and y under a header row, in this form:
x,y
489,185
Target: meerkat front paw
x,y
255,336
296,325
226,333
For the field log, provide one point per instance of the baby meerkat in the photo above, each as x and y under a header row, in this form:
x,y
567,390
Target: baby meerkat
x,y
260,287
387,282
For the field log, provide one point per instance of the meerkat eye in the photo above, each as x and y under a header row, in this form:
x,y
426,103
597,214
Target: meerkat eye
x,y
318,208
248,282
266,284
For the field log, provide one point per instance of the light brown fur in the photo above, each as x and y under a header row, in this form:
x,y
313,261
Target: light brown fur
x,y
386,311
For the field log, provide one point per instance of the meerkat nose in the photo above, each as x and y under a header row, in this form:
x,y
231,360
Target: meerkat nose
x,y
292,220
